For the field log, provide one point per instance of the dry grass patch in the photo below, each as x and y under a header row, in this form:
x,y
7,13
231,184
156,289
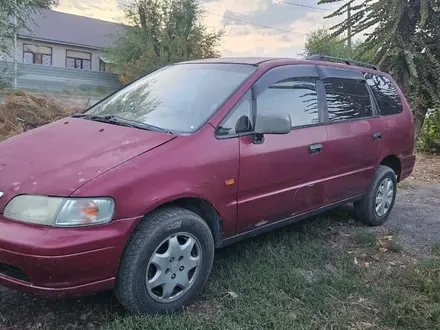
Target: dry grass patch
x,y
427,169
23,111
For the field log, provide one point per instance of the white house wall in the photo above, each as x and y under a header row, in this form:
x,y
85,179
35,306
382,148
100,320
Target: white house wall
x,y
58,53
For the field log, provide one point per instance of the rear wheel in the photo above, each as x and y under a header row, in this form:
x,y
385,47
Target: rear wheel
x,y
377,204
166,263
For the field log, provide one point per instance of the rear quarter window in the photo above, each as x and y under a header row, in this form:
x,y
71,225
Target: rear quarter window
x,y
386,95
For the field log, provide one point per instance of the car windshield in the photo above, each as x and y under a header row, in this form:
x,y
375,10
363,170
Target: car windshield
x,y
178,98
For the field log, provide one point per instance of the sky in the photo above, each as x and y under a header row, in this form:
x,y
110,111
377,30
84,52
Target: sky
x,y
290,23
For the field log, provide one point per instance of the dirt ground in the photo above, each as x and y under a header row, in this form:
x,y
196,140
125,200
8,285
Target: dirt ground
x,y
427,169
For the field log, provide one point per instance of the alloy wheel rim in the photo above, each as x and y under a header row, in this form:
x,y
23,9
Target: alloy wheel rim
x,y
173,267
384,197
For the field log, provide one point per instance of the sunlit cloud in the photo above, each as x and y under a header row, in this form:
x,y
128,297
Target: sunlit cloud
x,y
290,23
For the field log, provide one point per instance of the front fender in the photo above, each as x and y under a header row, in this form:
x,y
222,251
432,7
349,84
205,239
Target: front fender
x,y
195,166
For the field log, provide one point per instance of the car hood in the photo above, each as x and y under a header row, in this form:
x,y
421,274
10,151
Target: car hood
x,y
58,158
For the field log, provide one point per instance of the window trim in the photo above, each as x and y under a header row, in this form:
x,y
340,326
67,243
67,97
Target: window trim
x,y
82,59
326,72
351,120
279,73
33,54
322,101
373,101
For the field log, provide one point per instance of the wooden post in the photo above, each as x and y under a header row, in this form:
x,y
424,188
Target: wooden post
x,y
349,30
15,44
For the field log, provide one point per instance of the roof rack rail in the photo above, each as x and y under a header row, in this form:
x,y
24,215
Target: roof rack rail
x,y
340,60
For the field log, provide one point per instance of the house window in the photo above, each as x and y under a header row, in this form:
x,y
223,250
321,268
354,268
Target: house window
x,y
34,54
102,65
105,65
78,60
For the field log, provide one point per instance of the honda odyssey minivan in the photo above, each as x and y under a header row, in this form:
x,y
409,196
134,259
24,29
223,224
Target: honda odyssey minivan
x,y
135,193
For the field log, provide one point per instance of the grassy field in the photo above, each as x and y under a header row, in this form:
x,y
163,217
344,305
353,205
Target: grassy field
x,y
329,272
311,276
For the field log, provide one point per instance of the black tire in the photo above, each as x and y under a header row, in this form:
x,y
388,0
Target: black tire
x,y
366,208
131,288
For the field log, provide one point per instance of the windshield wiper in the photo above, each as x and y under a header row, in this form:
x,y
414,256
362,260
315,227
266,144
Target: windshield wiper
x,y
137,124
103,119
116,120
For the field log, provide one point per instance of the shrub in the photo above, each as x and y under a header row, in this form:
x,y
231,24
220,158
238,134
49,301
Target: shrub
x,y
6,78
429,137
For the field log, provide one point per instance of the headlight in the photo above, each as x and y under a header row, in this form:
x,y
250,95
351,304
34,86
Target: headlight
x,y
60,212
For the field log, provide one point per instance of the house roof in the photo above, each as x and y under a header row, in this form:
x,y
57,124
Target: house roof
x,y
62,28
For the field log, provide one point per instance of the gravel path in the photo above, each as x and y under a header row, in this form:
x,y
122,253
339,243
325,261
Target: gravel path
x,y
416,218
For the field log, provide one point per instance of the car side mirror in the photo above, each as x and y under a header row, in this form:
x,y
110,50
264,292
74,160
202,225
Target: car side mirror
x,y
273,123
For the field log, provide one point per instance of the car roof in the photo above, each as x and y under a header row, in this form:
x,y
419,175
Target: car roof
x,y
275,61
238,60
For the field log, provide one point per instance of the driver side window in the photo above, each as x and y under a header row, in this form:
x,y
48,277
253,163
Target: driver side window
x,y
238,120
297,97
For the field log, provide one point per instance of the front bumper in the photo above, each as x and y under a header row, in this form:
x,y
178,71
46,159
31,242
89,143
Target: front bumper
x,y
61,261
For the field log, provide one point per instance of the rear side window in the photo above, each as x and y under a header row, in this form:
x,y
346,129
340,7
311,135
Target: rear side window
x,y
385,93
347,99
295,96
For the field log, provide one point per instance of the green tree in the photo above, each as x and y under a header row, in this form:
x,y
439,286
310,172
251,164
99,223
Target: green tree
x,y
403,41
322,42
22,11
160,32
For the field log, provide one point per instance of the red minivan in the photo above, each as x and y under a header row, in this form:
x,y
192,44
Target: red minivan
x,y
136,193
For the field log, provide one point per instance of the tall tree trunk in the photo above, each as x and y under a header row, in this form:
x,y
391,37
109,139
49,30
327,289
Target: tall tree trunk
x,y
419,118
402,80
142,16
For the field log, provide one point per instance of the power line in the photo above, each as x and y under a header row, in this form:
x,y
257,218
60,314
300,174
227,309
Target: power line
x,y
250,23
301,5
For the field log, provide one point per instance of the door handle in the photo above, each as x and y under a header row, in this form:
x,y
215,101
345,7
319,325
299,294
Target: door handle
x,y
377,136
315,148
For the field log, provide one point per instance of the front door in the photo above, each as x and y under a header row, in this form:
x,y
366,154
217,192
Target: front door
x,y
281,176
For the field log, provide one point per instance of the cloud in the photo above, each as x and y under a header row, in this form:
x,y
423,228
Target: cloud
x,y
241,39
101,9
78,5
278,15
286,39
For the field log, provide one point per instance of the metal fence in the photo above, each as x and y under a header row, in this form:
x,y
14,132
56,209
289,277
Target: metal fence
x,y
48,78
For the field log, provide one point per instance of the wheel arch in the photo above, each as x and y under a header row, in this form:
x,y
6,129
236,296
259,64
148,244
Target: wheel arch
x,y
203,208
393,162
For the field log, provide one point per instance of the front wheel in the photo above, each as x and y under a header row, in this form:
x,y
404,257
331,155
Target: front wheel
x,y
166,263
377,204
